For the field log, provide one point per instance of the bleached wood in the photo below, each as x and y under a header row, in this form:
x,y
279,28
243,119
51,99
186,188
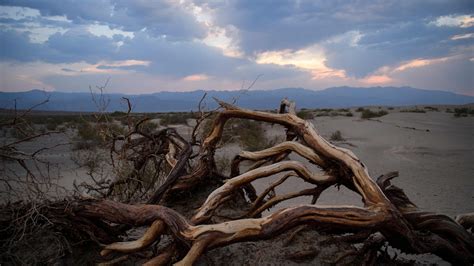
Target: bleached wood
x,y
280,148
340,165
220,194
170,156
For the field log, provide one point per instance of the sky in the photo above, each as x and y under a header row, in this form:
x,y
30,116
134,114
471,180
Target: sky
x,y
148,46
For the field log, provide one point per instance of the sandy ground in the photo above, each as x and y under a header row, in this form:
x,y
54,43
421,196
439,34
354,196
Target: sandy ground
x,y
63,171
433,152
436,166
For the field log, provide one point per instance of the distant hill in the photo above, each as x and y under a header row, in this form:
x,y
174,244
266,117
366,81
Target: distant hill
x,y
337,97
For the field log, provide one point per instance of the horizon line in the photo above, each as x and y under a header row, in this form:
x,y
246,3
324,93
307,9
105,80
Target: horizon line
x,y
238,90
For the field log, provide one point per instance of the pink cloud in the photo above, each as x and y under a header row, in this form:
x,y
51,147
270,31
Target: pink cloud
x,y
419,63
197,77
377,79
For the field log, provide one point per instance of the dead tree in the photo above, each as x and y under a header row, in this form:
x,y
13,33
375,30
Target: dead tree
x,y
387,215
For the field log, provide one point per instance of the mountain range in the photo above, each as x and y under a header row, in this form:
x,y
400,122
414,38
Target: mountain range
x,y
336,97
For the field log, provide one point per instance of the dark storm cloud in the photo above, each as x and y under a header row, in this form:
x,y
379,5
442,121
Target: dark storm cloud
x,y
270,25
26,22
391,30
174,59
77,11
391,44
267,25
72,46
77,45
159,17
17,46
180,59
167,40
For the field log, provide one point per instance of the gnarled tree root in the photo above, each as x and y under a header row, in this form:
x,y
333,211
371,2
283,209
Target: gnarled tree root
x,y
387,209
204,237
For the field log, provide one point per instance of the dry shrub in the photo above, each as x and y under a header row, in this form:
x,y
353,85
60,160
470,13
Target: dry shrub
x,y
92,135
336,136
305,114
250,134
174,118
367,114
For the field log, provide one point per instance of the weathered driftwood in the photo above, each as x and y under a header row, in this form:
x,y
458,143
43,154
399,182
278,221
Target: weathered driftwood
x,y
386,210
387,215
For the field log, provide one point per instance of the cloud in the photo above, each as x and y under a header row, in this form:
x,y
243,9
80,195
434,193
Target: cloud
x,y
123,64
263,25
27,20
385,73
377,80
72,46
310,59
105,30
419,63
222,39
390,45
358,36
79,44
451,75
115,67
177,58
18,13
160,18
462,36
17,46
444,73
197,77
462,21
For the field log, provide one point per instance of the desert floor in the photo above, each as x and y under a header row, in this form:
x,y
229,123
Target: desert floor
x,y
432,151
